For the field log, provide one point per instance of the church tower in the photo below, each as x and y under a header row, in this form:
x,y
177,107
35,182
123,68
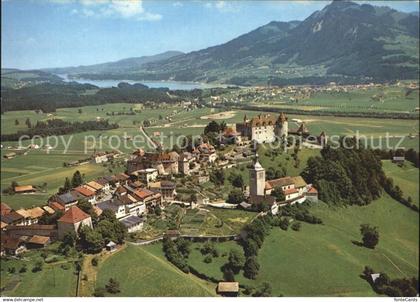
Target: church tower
x,y
257,179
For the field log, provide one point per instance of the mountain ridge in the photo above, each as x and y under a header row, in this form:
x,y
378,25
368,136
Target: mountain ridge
x,y
344,41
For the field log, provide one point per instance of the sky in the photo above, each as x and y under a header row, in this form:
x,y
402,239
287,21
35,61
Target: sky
x,y
58,33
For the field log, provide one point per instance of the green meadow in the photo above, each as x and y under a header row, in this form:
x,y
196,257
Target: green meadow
x,y
406,177
144,272
56,279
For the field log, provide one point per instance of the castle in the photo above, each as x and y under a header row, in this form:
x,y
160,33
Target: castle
x,y
264,128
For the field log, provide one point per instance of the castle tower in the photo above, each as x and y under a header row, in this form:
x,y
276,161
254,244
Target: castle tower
x,y
256,179
282,126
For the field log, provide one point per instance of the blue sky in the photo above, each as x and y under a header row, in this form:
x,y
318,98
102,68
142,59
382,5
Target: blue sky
x,y
55,33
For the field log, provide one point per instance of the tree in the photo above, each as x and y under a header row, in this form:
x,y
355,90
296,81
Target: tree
x,y
79,110
228,274
99,292
370,235
67,185
77,179
296,226
284,224
251,267
236,260
236,196
213,126
16,122
218,177
38,266
278,194
237,180
23,269
158,211
250,247
264,290
90,240
183,246
113,286
28,123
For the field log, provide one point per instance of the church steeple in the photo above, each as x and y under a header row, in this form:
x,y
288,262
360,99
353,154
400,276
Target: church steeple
x,y
256,178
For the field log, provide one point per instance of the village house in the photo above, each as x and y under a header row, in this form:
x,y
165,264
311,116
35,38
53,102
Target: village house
x,y
87,193
120,179
9,155
24,189
146,175
115,205
37,242
11,246
398,159
30,216
165,188
97,187
205,153
228,289
4,209
231,136
64,201
164,162
105,183
72,220
133,223
13,218
99,157
17,231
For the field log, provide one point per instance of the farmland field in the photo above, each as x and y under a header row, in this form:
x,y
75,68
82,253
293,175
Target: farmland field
x,y
393,99
151,275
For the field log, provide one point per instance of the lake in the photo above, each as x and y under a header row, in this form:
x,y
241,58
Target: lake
x,y
172,85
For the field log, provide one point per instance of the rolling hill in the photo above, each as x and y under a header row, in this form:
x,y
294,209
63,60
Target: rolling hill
x,y
124,65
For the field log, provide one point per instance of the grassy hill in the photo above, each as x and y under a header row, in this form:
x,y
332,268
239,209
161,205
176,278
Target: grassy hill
x,y
144,272
406,177
321,260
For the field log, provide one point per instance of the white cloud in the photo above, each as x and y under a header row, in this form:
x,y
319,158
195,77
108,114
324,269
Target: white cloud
x,y
112,8
222,6
177,4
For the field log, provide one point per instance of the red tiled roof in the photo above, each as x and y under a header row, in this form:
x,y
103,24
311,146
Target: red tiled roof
x,y
39,239
143,193
4,209
73,215
84,191
284,181
23,188
57,206
313,190
290,191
